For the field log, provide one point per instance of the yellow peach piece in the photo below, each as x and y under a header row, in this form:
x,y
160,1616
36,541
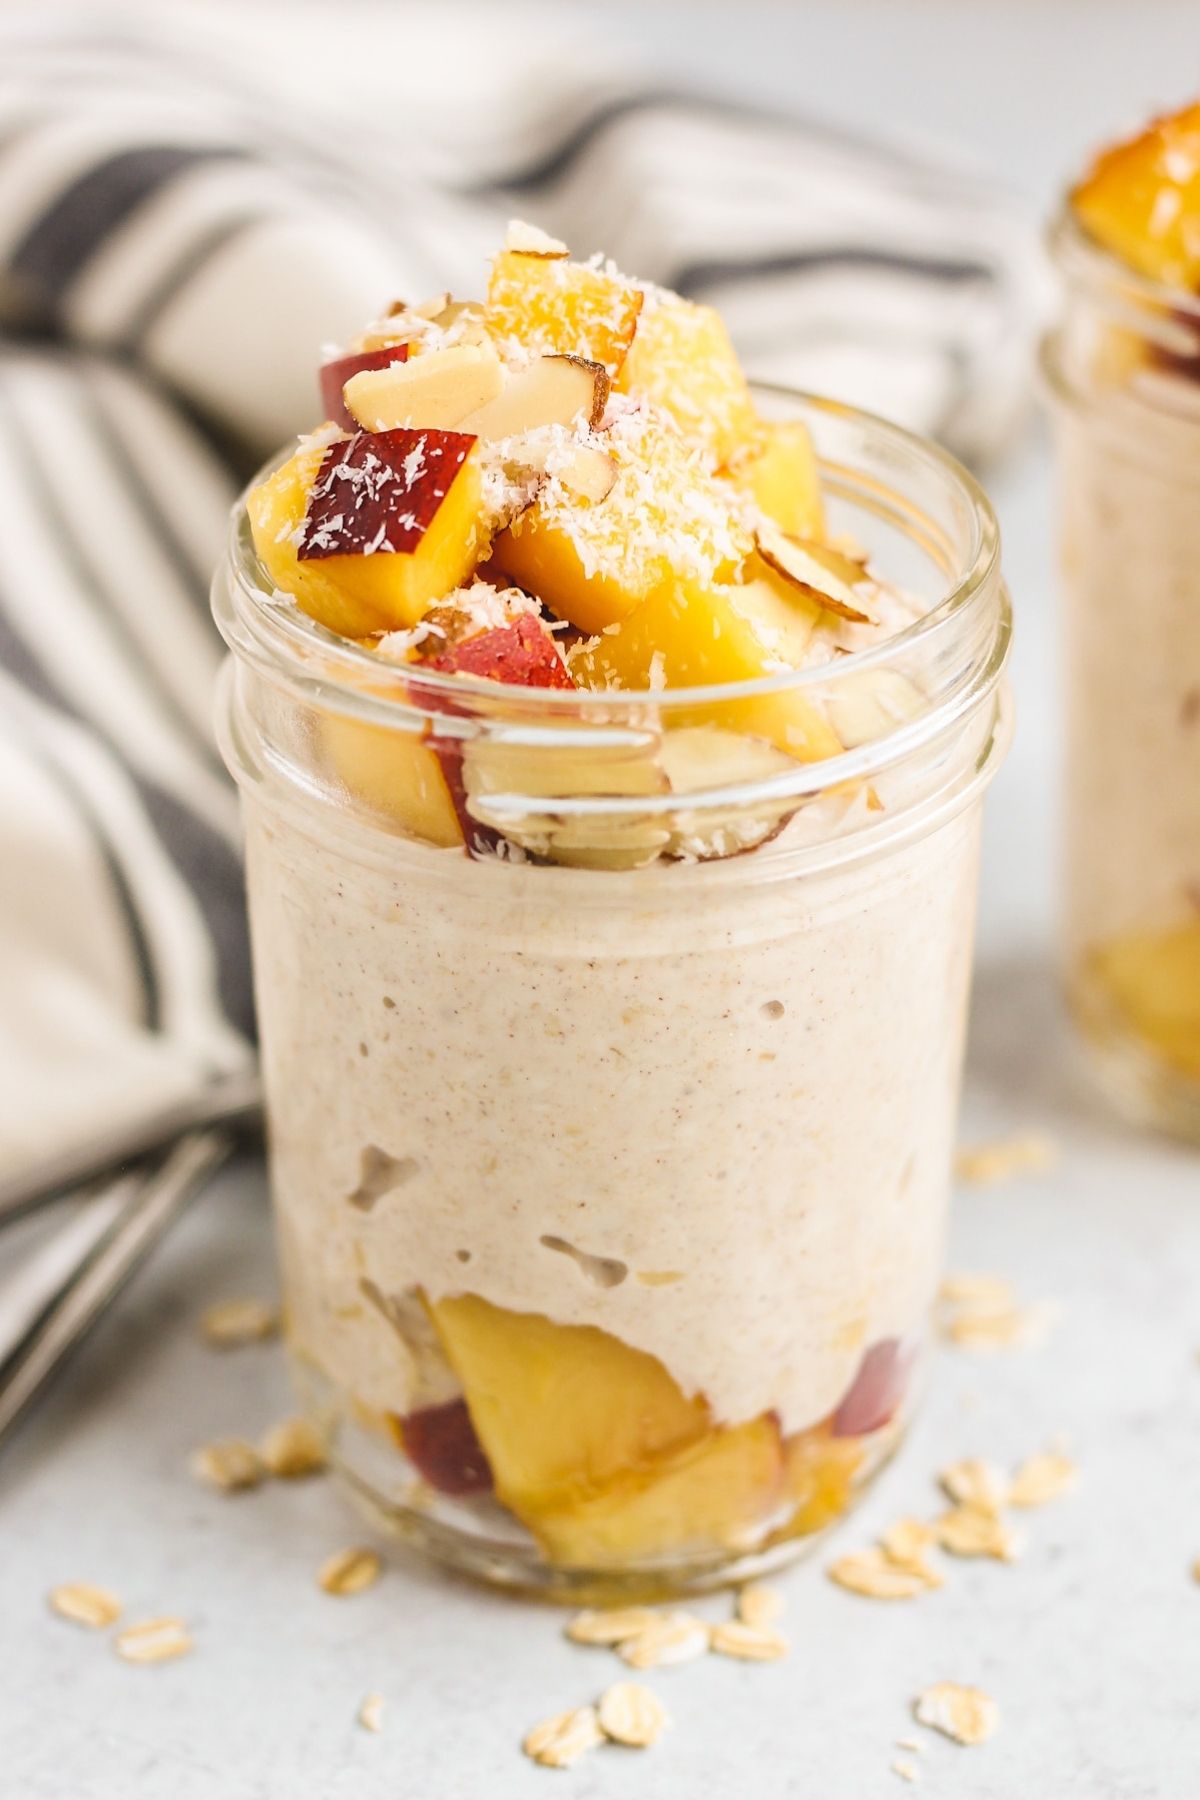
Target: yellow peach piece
x,y
1153,982
558,307
818,1479
664,517
356,595
1141,200
713,1495
561,1410
695,636
776,467
683,361
394,774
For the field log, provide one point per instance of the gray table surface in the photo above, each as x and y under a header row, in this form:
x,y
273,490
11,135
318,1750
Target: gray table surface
x,y
1089,1644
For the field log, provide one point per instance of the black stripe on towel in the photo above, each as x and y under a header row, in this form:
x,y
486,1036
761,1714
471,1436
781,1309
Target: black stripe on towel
x,y
74,226
697,276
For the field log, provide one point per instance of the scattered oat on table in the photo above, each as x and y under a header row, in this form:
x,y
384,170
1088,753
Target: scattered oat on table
x,y
610,1628
974,1482
153,1641
370,1713
965,1714
981,1312
759,1605
558,1742
970,1531
232,1323
905,1544
630,1714
292,1449
873,1574
913,1744
1026,1153
669,1639
231,1464
1042,1478
748,1643
349,1571
907,1771
85,1604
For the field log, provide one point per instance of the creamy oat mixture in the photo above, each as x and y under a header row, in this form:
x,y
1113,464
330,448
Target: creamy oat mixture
x,y
713,1118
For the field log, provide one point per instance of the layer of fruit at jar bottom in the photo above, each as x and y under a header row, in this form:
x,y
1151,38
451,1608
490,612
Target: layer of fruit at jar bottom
x,y
593,1447
1150,981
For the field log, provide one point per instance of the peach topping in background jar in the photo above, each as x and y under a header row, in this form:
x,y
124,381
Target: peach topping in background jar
x,y
612,740
1124,367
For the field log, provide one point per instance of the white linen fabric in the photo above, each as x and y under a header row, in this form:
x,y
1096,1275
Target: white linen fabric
x,y
185,218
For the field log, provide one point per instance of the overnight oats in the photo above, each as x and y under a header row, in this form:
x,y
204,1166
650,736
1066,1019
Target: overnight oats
x,y
1124,369
612,740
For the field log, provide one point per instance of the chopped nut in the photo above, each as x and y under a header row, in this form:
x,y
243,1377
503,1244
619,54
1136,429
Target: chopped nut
x,y
232,1323
370,1713
558,1742
630,1714
1029,1153
1042,1478
531,240
759,1605
349,1571
874,1574
907,1771
670,1638
153,1641
965,1714
230,1464
974,1482
969,1531
83,1604
292,1449
748,1643
610,1628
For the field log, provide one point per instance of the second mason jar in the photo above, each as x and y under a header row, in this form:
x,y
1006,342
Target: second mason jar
x,y
1124,372
610,1176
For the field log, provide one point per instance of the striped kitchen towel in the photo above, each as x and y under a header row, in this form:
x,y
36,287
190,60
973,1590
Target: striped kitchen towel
x,y
184,220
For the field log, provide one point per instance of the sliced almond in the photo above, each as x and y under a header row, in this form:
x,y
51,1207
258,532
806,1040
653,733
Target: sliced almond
x,y
840,563
794,561
432,309
438,390
531,240
549,390
590,474
867,706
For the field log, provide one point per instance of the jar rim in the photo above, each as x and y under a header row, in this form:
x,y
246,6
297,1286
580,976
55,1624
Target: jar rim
x,y
1077,253
286,632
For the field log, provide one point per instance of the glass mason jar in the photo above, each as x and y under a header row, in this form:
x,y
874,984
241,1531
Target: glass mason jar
x,y
611,1173
1123,370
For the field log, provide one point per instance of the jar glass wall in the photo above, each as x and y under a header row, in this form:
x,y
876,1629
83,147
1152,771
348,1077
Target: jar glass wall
x,y
611,1163
1124,372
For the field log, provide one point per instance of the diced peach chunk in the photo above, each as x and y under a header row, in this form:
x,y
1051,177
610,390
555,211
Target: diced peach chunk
x,y
683,361
562,1411
818,1479
413,538
776,467
716,1494
1141,200
395,774
562,308
1152,980
663,517
695,636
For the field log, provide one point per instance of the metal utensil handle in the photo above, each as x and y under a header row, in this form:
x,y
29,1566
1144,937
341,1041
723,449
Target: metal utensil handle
x,y
234,1100
156,1202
